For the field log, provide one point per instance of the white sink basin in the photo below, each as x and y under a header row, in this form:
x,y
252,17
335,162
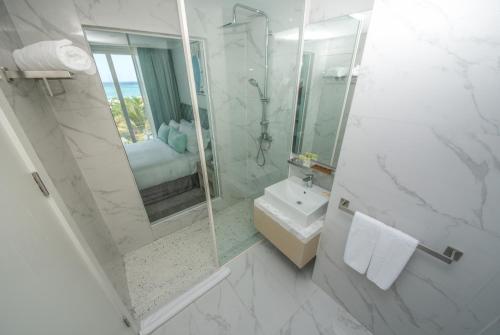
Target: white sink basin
x,y
302,204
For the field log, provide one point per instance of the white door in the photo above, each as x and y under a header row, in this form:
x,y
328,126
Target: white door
x,y
45,286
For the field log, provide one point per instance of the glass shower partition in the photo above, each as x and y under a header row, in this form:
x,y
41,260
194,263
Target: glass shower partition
x,y
250,104
177,248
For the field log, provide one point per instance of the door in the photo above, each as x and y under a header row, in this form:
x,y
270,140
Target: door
x,y
45,286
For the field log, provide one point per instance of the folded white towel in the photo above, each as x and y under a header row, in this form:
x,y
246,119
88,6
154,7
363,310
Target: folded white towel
x,y
393,250
361,241
54,55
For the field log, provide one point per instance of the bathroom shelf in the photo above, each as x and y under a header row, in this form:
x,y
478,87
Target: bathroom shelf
x,y
11,75
315,165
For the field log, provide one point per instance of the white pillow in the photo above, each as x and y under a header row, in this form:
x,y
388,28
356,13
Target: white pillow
x,y
190,131
187,123
192,144
174,124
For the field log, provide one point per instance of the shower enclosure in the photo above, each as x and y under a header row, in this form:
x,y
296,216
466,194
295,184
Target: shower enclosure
x,y
252,73
264,139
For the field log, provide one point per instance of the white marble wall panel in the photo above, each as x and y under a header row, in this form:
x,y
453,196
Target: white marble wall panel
x,y
283,69
32,108
234,56
87,125
421,153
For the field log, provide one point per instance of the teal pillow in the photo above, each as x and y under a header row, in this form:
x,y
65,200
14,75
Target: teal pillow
x,y
163,132
177,140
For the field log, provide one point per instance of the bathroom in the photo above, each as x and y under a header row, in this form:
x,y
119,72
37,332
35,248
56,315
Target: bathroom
x,y
243,167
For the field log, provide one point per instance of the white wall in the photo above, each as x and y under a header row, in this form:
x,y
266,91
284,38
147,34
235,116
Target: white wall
x,y
422,153
31,106
46,286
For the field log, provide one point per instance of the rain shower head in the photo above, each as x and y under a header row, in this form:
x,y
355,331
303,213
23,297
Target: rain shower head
x,y
233,24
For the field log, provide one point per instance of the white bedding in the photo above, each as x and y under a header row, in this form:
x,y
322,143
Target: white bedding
x,y
153,162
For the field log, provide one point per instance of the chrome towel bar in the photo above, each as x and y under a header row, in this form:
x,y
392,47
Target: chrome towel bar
x,y
449,255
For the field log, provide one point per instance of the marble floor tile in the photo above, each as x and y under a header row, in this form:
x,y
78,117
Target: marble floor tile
x,y
162,270
321,315
296,281
264,295
261,291
218,312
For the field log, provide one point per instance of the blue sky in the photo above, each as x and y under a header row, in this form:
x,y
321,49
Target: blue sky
x,y
123,65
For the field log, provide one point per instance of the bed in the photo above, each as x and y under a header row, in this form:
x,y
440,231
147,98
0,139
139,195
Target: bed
x,y
160,171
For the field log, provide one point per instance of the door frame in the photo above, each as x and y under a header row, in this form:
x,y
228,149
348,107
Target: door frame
x,y
15,132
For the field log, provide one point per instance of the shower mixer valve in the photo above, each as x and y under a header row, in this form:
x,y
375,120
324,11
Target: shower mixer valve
x,y
266,137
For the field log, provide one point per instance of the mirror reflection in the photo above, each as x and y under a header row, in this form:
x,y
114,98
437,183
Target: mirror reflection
x,y
144,78
327,79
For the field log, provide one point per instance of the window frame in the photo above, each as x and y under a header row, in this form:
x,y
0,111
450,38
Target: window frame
x,y
108,51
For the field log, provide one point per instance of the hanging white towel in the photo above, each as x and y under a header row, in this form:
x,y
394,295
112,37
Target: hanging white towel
x,y
361,241
393,250
54,55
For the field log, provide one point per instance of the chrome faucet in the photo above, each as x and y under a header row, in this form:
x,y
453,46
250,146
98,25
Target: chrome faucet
x,y
308,180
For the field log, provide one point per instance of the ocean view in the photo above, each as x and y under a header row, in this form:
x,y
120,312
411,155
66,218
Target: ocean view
x,y
129,89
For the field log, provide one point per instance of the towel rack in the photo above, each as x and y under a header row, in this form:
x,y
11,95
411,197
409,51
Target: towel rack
x,y
10,75
449,255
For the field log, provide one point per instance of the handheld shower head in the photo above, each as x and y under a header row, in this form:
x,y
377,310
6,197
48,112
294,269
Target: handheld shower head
x,y
254,83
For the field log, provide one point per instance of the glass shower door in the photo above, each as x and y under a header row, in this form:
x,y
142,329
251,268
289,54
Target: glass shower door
x,y
249,110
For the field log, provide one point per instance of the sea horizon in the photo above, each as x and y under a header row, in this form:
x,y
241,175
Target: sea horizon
x,y
128,88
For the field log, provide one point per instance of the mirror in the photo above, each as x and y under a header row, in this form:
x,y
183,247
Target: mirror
x,y
144,78
331,53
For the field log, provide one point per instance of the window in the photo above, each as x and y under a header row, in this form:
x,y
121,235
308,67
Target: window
x,y
123,91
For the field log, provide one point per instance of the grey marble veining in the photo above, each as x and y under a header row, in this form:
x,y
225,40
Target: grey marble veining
x,y
87,125
421,154
265,294
37,118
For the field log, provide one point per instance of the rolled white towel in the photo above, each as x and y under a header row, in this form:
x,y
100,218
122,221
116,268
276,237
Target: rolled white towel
x,y
54,55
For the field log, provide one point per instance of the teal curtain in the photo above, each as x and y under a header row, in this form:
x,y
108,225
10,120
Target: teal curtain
x,y
161,85
197,72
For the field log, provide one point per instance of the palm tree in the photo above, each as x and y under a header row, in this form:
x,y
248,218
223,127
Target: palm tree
x,y
137,116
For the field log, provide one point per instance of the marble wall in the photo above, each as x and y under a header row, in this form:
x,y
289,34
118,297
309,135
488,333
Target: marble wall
x,y
87,124
33,109
244,54
422,153
234,55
